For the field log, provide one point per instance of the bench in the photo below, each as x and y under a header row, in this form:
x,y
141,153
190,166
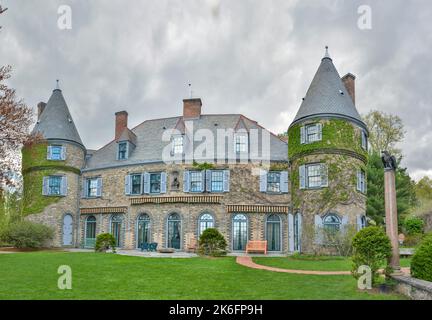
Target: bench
x,y
256,246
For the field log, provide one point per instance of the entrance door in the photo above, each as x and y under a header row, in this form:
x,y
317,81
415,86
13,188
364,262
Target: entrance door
x,y
143,230
116,225
240,236
174,227
67,230
273,233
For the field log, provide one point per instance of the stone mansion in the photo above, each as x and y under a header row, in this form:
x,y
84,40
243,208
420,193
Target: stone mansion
x,y
153,183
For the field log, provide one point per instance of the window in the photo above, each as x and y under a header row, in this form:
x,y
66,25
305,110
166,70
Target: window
x,y
363,222
273,233
90,232
361,181
297,231
240,229
122,150
331,223
177,145
311,133
56,153
143,230
92,187
196,181
217,180
155,183
54,186
116,229
205,221
273,182
313,176
174,227
364,140
241,143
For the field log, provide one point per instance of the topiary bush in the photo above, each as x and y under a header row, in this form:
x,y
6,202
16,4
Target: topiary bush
x,y
421,263
413,226
26,234
105,241
371,247
212,243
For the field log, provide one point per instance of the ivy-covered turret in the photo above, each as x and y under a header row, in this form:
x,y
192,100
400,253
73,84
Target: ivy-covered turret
x,y
51,169
327,149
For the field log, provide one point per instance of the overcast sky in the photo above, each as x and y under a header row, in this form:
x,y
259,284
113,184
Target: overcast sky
x,y
251,57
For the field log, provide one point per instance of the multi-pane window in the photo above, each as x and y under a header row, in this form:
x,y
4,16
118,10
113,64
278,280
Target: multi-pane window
x,y
122,150
331,223
273,182
155,183
361,181
177,145
217,180
313,176
206,221
136,180
56,153
241,143
54,185
196,181
92,187
364,140
311,133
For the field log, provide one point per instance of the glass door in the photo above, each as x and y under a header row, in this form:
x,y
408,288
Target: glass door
x,y
240,236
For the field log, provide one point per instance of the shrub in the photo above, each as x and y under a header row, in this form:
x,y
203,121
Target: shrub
x,y
105,241
412,240
26,234
413,226
212,243
371,247
341,240
421,264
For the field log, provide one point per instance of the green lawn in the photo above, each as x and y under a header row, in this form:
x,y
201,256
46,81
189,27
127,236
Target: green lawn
x,y
108,276
308,263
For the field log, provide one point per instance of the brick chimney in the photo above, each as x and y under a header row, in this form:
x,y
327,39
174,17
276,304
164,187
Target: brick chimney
x,y
192,108
41,107
121,123
349,82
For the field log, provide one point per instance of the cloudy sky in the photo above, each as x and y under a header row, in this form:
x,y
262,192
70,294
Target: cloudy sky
x,y
252,57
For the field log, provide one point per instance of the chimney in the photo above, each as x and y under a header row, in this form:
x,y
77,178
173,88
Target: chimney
x,y
120,123
192,108
41,107
349,82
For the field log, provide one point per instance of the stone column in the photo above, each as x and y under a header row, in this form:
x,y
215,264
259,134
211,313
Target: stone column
x,y
391,216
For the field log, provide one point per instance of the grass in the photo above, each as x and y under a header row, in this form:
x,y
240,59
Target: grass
x,y
313,263
34,275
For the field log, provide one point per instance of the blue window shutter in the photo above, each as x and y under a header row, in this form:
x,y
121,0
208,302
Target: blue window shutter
x,y
302,176
45,186
208,174
303,135
203,180
359,222
49,153
344,224
63,152
324,175
128,184
84,188
284,182
319,129
99,187
186,181
226,180
319,232
300,231
263,181
63,186
146,182
291,232
163,188
359,188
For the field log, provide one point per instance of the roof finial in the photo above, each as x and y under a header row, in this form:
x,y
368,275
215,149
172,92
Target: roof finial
x,y
327,55
57,84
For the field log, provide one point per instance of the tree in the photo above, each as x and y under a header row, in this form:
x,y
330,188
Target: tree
x,y
424,188
405,190
386,130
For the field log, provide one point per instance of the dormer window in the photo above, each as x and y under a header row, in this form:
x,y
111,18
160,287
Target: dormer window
x,y
311,133
178,145
122,151
240,143
56,152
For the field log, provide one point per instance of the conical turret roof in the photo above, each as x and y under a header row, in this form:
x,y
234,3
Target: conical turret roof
x,y
327,96
55,122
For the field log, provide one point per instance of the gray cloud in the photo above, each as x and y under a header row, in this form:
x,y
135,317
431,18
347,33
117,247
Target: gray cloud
x,y
250,57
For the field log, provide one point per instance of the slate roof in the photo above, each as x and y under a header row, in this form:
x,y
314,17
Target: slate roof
x,y
327,96
149,144
56,122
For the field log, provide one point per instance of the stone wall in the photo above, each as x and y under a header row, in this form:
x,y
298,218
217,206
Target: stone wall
x,y
414,288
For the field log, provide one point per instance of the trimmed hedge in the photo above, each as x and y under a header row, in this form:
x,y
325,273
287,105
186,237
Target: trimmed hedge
x,y
105,241
212,243
413,226
26,234
421,264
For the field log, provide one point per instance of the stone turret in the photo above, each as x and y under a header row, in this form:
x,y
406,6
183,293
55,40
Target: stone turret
x,y
327,149
51,170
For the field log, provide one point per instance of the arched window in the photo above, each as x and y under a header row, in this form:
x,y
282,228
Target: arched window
x,y
240,230
143,229
206,221
174,231
273,233
363,222
90,232
116,228
331,222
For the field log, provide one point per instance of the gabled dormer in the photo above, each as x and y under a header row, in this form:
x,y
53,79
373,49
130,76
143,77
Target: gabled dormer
x,y
124,137
241,137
